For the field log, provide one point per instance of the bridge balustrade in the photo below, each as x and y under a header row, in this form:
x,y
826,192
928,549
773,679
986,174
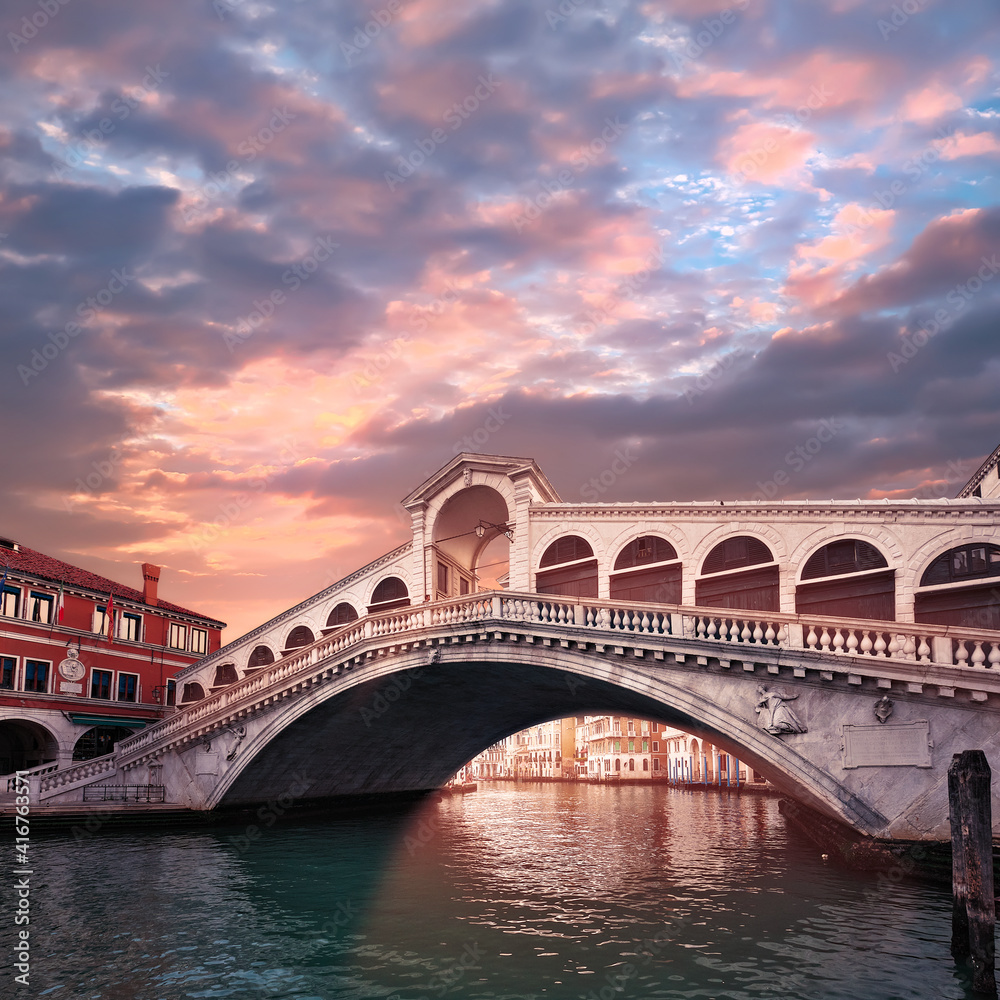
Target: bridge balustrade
x,y
901,641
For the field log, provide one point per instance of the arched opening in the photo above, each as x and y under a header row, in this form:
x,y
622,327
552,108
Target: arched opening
x,y
739,573
471,548
852,579
645,764
99,741
25,744
225,674
342,614
618,765
260,657
300,636
631,763
647,569
192,692
568,567
390,593
960,587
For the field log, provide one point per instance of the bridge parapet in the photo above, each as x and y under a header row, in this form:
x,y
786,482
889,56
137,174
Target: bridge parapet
x,y
962,657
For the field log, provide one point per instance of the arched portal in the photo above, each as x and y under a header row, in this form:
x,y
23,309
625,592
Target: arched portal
x,y
739,573
962,587
25,744
848,577
98,741
470,530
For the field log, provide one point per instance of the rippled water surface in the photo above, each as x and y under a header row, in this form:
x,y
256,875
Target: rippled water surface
x,y
512,892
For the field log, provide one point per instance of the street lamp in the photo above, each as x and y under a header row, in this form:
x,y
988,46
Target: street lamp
x,y
502,528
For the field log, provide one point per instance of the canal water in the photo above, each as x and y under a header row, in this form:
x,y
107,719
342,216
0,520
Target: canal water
x,y
533,891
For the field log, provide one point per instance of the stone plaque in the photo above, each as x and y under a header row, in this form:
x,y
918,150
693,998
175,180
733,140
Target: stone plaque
x,y
900,745
68,687
206,763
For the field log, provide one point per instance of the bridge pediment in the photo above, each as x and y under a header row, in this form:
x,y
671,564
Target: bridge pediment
x,y
469,469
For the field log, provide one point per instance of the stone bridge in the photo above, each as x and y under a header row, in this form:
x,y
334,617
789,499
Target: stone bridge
x,y
701,618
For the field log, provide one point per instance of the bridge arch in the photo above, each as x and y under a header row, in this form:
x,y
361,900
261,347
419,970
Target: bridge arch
x,y
411,720
657,578
391,591
772,538
25,743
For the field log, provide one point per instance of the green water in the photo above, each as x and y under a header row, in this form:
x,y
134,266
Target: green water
x,y
539,891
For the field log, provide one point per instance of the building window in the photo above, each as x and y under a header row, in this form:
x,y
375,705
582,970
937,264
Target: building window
x,y
10,602
40,607
618,746
631,746
128,687
7,665
631,763
262,655
656,727
178,636
171,692
36,676
100,684
656,746
199,640
101,620
463,585
656,763
618,728
342,614
645,764
442,580
645,746
130,627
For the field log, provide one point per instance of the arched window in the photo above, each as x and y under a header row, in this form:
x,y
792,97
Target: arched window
x,y
342,614
856,584
618,764
192,692
737,583
647,569
260,657
645,764
954,597
631,763
225,674
390,593
301,635
568,567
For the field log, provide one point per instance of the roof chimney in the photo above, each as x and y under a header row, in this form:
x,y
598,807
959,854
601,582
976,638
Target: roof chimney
x,y
150,581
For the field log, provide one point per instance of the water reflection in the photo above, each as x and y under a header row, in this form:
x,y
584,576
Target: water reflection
x,y
540,891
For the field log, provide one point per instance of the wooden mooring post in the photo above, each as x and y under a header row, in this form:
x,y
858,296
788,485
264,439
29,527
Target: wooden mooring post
x,y
973,904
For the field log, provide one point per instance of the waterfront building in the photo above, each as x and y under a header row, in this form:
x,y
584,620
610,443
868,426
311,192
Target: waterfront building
x,y
84,660
620,748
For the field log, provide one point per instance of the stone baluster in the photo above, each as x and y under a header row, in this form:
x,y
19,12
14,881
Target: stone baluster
x,y
866,643
769,634
811,639
978,656
879,644
838,640
994,657
961,653
758,632
824,640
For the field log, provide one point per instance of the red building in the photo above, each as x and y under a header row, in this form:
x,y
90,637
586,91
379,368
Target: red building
x,y
68,690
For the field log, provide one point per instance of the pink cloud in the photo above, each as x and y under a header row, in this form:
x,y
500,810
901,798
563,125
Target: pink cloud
x,y
977,144
759,151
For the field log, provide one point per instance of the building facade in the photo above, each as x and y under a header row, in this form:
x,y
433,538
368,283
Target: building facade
x,y
84,660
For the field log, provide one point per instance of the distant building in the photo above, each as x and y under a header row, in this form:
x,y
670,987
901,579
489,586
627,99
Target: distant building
x,y
68,693
620,748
